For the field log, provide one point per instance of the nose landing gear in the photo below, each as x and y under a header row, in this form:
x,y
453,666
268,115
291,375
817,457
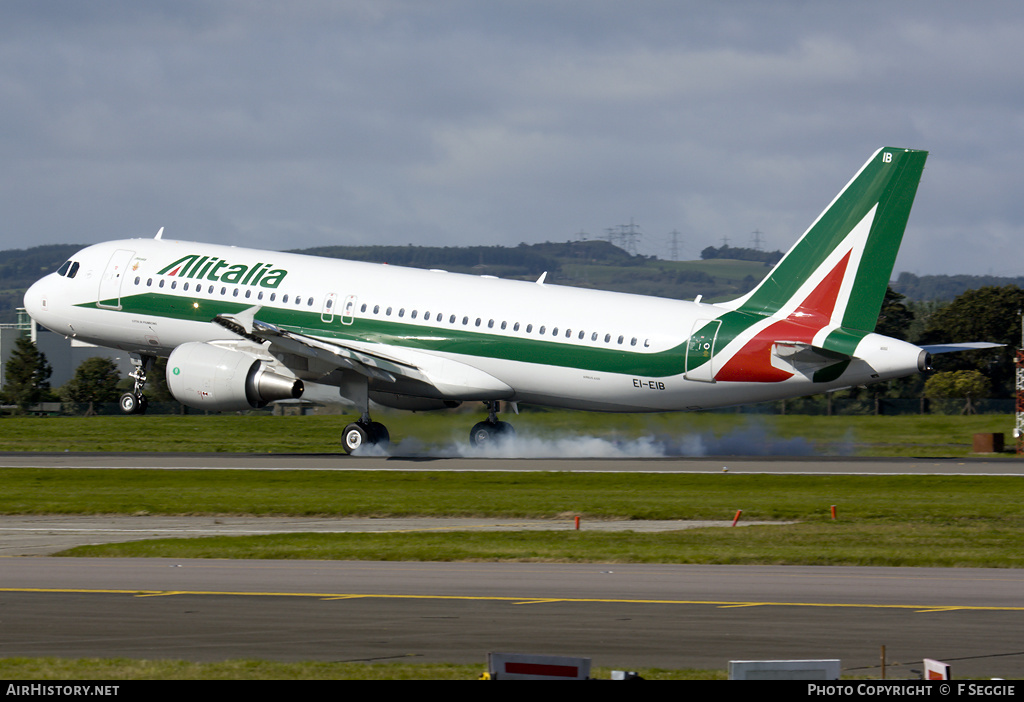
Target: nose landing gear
x,y
135,402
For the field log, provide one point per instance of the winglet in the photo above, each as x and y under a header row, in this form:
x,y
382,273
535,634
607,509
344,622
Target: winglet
x,y
159,234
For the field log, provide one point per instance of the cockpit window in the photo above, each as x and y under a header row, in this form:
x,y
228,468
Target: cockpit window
x,y
69,269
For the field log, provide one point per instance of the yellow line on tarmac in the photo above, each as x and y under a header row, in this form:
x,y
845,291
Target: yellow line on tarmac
x,y
513,600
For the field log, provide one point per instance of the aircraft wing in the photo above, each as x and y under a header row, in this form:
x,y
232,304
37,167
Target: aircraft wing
x,y
394,369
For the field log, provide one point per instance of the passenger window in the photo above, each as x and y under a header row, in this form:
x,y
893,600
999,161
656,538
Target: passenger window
x,y
541,330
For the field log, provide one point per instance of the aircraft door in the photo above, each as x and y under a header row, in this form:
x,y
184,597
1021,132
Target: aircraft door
x,y
327,313
348,312
700,350
114,274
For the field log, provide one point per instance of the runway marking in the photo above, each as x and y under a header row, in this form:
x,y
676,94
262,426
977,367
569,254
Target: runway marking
x,y
512,600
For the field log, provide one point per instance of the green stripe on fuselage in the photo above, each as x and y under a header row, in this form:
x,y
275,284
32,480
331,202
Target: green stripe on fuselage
x,y
417,336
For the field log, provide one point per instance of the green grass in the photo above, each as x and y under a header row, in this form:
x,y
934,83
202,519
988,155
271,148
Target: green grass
x,y
883,520
905,545
883,499
430,433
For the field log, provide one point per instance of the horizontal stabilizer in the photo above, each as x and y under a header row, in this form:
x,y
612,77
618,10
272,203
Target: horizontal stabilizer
x,y
966,346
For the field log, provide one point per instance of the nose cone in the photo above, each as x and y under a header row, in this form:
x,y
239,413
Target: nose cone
x,y
35,300
40,303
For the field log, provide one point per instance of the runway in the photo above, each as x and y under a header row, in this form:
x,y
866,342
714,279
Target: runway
x,y
798,465
668,616
622,616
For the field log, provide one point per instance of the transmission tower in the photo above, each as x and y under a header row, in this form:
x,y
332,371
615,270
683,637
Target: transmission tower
x,y
756,239
630,236
625,236
673,247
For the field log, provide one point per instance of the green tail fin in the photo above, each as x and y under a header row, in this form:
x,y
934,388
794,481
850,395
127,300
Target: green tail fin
x,y
840,267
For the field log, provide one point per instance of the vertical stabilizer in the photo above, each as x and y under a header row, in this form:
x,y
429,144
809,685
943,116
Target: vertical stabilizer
x,y
840,267
826,293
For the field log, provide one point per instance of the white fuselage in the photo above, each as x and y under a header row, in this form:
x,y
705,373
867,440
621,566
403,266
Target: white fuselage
x,y
550,344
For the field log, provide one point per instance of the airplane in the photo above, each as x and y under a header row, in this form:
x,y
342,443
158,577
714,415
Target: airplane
x,y
242,328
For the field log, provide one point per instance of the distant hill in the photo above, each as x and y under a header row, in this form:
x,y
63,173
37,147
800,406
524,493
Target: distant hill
x,y
739,253
946,288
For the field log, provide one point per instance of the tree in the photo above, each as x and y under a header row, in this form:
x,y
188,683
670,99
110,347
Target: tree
x,y
95,380
894,319
967,384
26,375
986,314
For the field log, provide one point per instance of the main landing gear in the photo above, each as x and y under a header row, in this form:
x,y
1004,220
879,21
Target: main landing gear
x,y
364,433
491,430
135,402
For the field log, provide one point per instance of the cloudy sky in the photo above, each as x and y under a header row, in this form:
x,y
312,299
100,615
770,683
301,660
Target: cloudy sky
x,y
455,122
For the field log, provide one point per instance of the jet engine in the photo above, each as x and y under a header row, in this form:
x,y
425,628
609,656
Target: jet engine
x,y
210,377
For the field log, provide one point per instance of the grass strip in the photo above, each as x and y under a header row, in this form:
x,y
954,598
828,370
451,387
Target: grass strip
x,y
883,520
546,433
899,545
881,499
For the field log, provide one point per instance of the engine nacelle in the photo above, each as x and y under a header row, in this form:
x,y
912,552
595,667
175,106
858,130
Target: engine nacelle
x,y
209,377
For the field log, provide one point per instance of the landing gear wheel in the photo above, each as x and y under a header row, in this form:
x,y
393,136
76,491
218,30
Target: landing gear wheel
x,y
360,434
489,433
133,404
380,434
